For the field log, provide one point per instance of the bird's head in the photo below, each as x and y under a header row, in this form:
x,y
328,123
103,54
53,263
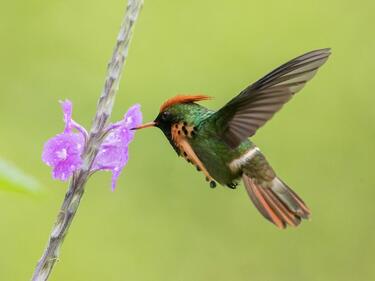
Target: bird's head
x,y
173,111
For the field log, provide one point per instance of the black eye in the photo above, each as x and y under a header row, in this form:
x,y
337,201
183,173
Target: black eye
x,y
165,115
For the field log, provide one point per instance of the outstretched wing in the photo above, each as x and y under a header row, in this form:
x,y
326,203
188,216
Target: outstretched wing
x,y
244,114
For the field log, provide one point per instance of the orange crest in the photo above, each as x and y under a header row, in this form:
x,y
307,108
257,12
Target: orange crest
x,y
182,99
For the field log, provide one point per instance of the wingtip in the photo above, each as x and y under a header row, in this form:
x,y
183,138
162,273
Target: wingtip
x,y
328,51
324,52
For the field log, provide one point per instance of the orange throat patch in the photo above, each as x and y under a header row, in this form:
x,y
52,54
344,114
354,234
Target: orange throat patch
x,y
181,132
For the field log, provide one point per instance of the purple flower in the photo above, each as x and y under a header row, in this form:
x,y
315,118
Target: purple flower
x,y
132,118
64,151
63,154
113,154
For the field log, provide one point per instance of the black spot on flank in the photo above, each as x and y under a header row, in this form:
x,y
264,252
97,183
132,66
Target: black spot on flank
x,y
185,154
185,123
184,130
179,132
212,184
193,134
198,169
189,161
176,125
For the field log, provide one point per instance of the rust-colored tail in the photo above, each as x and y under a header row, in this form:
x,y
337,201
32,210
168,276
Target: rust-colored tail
x,y
277,202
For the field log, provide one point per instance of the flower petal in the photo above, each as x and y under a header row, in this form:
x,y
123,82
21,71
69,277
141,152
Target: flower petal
x,y
113,154
133,116
67,108
63,154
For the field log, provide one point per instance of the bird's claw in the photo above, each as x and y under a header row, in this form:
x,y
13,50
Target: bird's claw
x,y
232,185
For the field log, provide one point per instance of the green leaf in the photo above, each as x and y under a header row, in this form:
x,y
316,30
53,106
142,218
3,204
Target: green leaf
x,y
13,179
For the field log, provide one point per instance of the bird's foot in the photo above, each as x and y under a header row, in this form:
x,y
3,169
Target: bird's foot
x,y
212,184
232,185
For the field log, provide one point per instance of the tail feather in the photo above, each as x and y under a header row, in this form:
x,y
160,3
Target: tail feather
x,y
277,202
261,203
287,216
301,203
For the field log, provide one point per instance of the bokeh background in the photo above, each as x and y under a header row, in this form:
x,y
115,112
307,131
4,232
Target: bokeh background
x,y
163,222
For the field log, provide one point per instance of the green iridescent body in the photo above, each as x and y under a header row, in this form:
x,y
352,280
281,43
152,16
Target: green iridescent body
x,y
211,149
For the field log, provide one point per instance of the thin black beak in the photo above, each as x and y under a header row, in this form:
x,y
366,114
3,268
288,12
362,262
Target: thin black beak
x,y
146,125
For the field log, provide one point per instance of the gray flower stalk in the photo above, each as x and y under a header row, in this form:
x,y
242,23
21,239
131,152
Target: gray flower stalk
x,y
95,139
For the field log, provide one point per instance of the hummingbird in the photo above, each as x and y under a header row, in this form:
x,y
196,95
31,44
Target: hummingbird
x,y
217,142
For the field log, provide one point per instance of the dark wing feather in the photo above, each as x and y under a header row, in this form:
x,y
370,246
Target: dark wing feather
x,y
244,114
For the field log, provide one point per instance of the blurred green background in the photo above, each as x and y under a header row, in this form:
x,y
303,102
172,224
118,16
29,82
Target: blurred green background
x,y
163,222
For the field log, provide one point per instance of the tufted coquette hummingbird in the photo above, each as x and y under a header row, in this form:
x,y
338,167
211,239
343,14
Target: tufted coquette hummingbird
x,y
217,143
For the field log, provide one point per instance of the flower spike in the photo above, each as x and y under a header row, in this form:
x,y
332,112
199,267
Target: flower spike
x,y
63,152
